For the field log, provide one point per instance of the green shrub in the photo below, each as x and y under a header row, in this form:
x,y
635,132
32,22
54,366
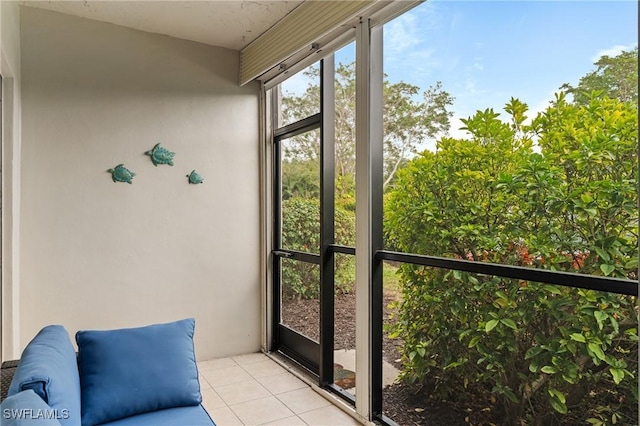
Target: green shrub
x,y
538,353
301,231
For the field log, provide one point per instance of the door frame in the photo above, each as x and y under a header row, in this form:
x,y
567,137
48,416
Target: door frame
x,y
317,357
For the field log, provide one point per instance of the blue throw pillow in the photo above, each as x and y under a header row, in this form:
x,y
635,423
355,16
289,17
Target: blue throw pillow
x,y
28,409
48,366
137,370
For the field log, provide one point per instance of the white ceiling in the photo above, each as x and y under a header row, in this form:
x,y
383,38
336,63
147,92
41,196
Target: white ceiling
x,y
231,24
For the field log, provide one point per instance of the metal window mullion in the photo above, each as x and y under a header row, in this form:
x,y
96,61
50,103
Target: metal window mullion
x,y
266,224
376,116
327,199
368,219
300,256
298,127
343,249
545,276
277,230
2,344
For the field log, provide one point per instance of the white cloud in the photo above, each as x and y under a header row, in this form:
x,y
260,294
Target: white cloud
x,y
612,51
401,34
407,54
540,106
470,86
455,131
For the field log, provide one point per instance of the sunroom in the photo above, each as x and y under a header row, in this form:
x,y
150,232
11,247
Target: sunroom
x,y
292,175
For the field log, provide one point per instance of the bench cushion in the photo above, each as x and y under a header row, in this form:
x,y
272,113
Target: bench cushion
x,y
192,416
48,366
137,370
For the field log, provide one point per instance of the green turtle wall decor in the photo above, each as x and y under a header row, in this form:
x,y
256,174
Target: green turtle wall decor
x,y
161,155
195,178
121,174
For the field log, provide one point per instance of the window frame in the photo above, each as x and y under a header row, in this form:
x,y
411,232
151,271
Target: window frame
x,y
369,250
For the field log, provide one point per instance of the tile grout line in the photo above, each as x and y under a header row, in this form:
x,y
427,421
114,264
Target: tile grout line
x,y
332,400
296,415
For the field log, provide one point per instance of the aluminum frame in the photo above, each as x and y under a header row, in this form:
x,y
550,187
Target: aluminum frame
x,y
369,250
369,191
316,357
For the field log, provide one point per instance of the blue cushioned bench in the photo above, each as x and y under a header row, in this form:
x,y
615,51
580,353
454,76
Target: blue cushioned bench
x,y
136,376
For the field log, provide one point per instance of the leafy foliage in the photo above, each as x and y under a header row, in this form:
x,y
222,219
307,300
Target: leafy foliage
x,y
410,119
408,122
615,77
300,179
567,202
301,231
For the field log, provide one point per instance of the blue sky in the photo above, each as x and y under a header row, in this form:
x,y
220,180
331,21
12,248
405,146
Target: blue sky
x,y
484,52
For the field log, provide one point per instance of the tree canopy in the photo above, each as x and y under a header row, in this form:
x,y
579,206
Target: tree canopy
x,y
615,77
411,118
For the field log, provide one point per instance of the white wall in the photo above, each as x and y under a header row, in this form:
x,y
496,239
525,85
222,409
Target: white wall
x,y
98,254
11,99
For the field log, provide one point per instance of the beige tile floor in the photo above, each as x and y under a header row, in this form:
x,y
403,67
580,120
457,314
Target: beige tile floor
x,y
255,390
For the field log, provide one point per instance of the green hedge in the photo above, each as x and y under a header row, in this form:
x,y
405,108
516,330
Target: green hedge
x,y
301,231
559,194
